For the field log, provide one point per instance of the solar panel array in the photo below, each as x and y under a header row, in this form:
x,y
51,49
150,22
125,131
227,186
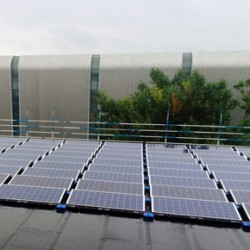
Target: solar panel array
x,y
113,181
230,168
39,174
178,190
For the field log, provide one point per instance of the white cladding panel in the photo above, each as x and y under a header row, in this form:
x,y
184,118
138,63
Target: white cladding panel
x,y
61,82
5,93
121,74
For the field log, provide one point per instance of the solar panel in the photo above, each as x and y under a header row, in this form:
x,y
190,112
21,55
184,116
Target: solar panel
x,y
174,165
48,172
235,185
31,194
12,170
226,162
171,159
168,154
59,165
124,202
118,162
231,176
120,157
66,159
28,180
110,186
219,168
3,178
19,156
246,208
115,169
182,182
120,151
72,154
34,147
215,210
188,193
178,173
26,151
117,177
241,196
12,162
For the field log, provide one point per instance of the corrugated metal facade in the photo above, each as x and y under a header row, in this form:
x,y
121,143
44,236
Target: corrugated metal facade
x,y
120,74
62,82
5,93
230,66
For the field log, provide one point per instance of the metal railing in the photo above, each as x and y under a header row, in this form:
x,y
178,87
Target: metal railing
x,y
168,133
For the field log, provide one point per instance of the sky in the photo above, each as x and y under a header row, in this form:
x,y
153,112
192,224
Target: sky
x,y
42,27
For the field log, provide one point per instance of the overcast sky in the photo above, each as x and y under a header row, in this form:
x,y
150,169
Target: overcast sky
x,y
29,27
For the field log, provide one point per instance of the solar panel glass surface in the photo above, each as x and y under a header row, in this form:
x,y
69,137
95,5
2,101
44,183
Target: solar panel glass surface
x,y
116,201
182,182
174,165
118,162
225,211
236,169
12,170
188,193
241,196
179,173
235,185
59,165
117,177
3,178
66,159
109,186
31,194
51,172
14,162
115,169
27,180
231,176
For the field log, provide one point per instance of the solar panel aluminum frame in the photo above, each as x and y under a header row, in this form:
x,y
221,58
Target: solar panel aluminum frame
x,y
5,179
196,217
247,212
102,208
23,201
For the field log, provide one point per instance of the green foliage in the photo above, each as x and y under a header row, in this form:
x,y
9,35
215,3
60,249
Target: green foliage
x,y
244,88
188,97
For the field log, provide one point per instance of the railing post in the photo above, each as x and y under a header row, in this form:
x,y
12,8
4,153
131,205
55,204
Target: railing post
x,y
53,123
99,121
166,127
27,121
219,129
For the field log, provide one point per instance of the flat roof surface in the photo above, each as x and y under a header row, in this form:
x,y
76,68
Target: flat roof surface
x,y
26,228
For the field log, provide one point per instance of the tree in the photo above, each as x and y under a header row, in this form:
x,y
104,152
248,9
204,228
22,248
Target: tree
x,y
244,88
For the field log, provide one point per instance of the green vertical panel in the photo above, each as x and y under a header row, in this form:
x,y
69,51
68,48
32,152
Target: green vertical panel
x,y
187,63
15,95
94,85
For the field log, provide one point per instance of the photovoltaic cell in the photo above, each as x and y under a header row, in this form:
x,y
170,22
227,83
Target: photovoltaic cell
x,y
59,165
31,194
109,186
19,156
231,176
123,202
117,177
182,182
224,211
226,162
189,193
72,154
179,173
115,169
241,196
120,157
12,170
174,165
28,180
235,185
48,172
26,151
